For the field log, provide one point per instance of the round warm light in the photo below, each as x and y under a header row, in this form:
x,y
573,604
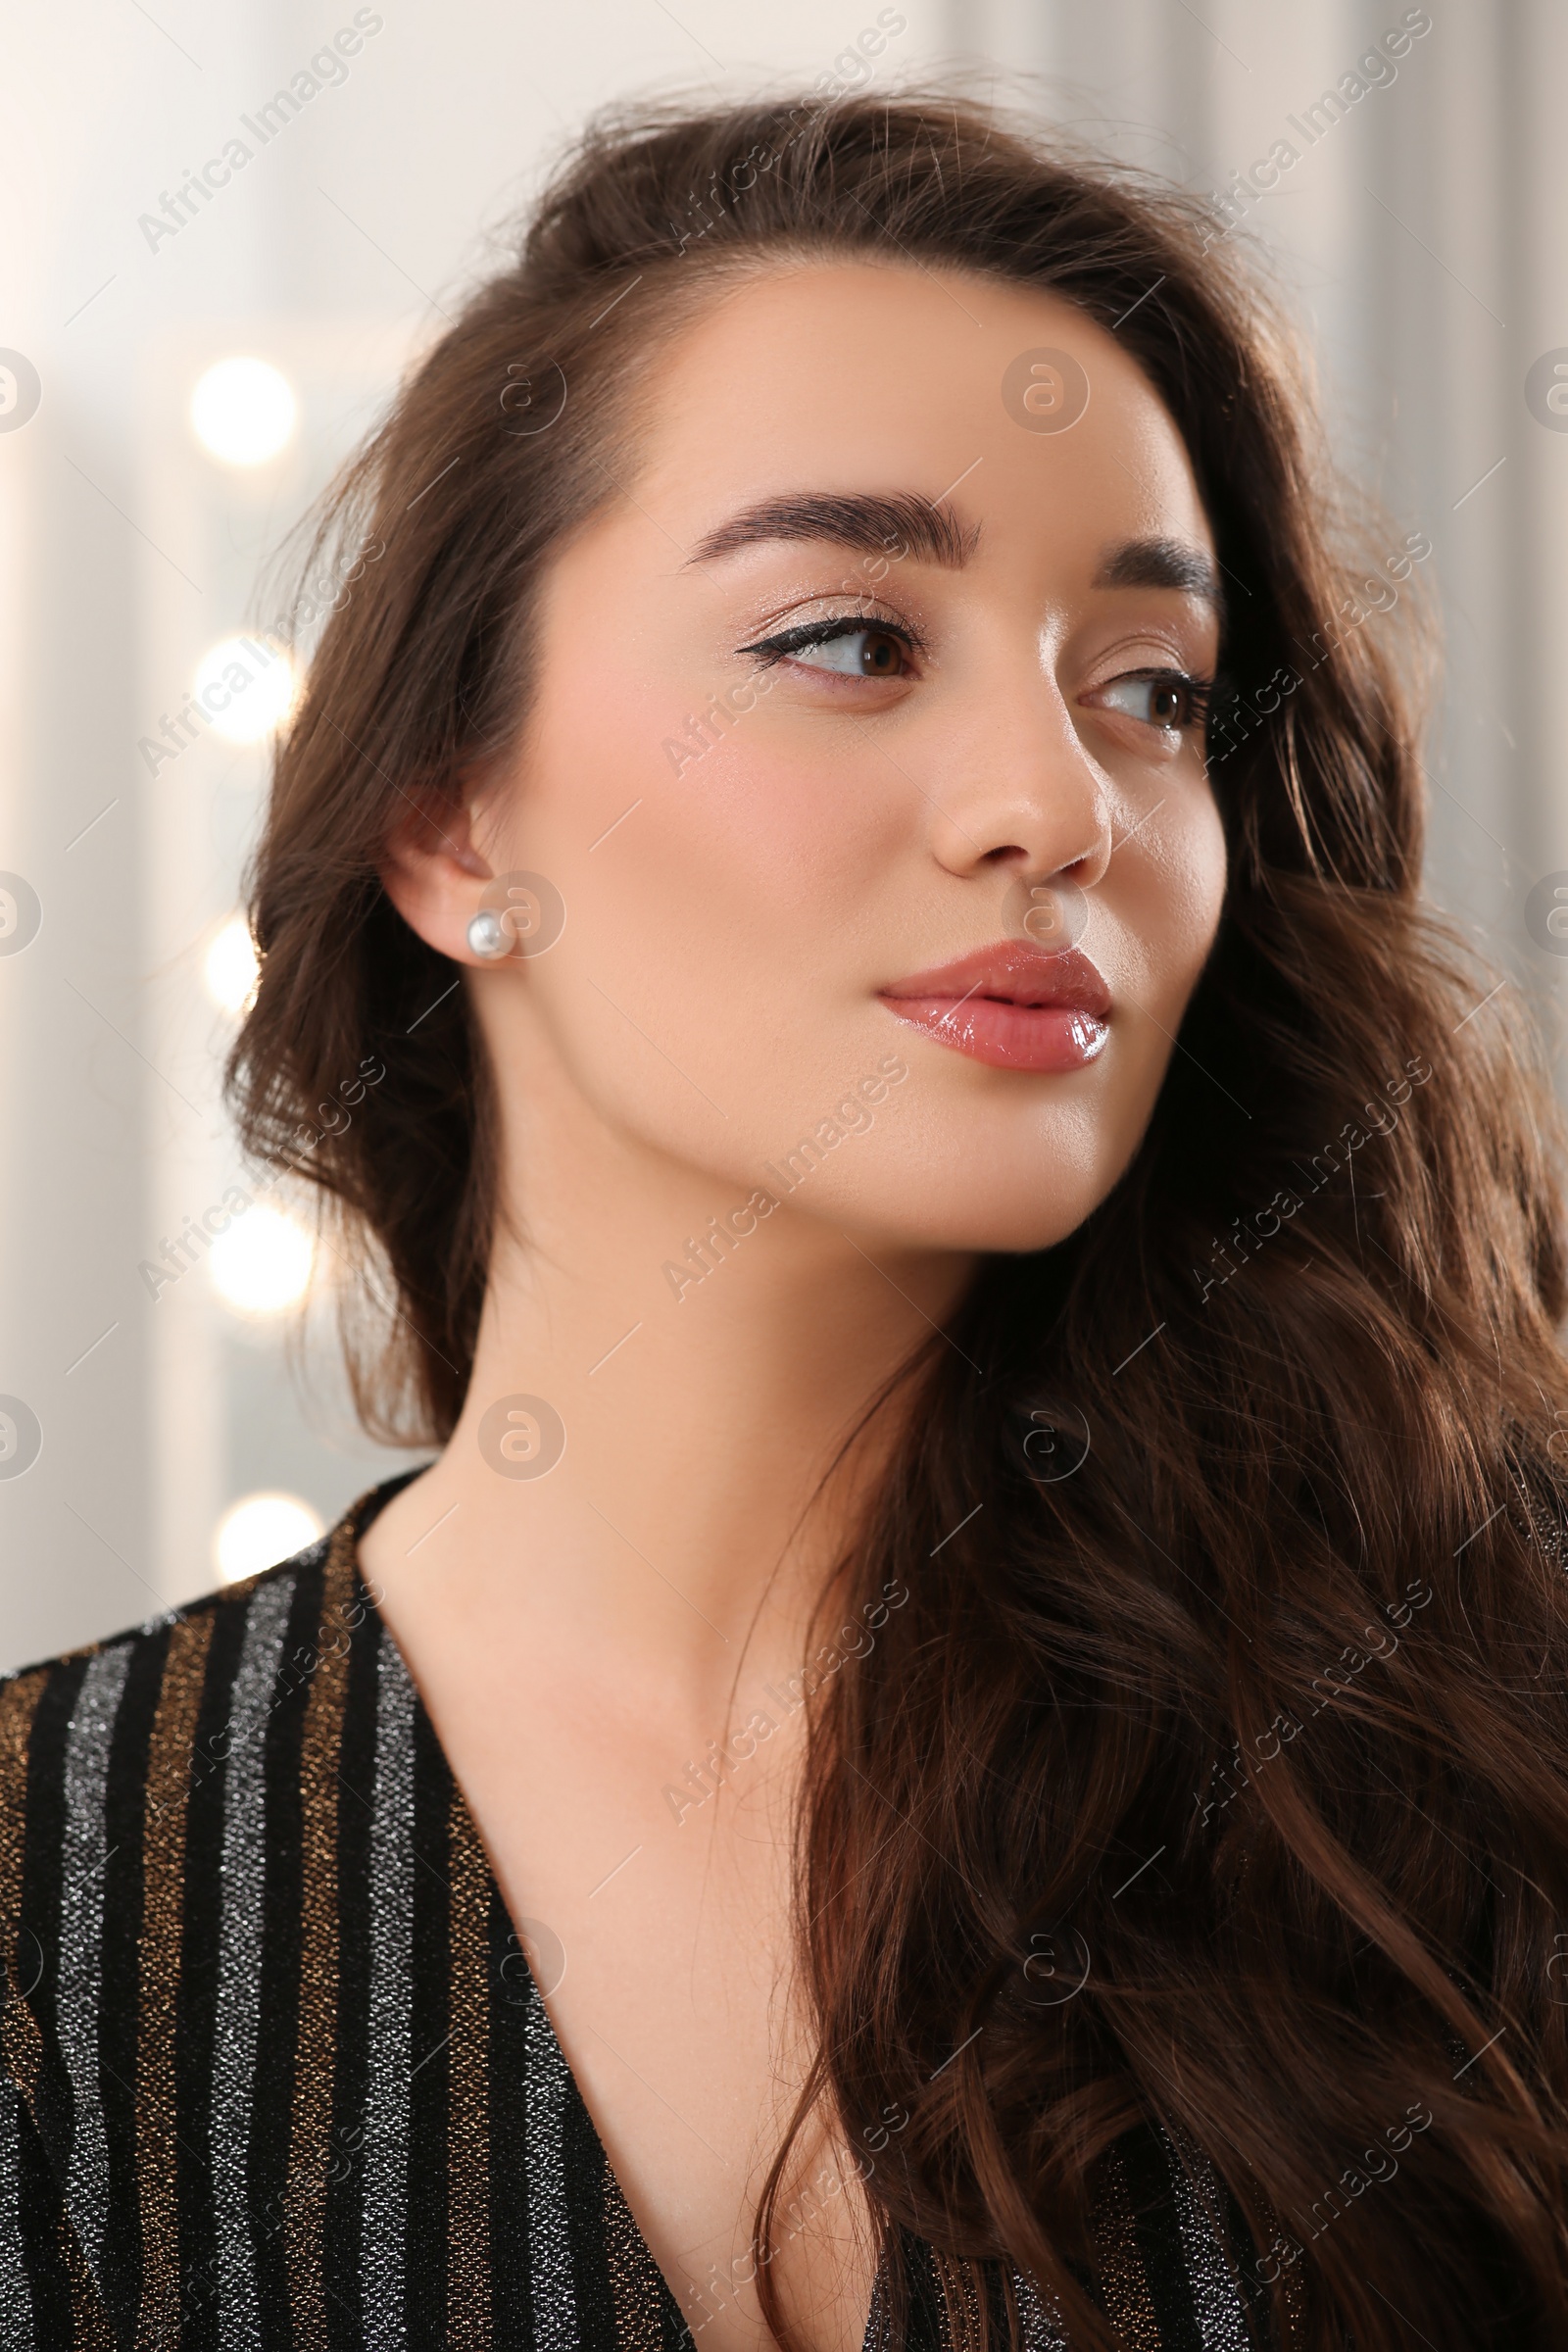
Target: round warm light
x,y
231,968
261,1529
246,690
261,1261
242,411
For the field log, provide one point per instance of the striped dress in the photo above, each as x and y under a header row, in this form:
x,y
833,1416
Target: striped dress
x,y
273,2068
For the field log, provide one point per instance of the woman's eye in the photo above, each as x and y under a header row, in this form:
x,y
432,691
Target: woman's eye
x,y
1164,698
860,654
849,648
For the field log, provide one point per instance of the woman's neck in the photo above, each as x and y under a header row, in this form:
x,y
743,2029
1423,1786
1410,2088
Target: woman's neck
x,y
663,1512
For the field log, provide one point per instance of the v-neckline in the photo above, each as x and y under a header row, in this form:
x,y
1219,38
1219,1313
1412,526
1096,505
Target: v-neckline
x,y
354,1523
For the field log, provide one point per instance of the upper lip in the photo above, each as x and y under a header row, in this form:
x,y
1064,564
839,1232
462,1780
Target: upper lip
x,y
1017,973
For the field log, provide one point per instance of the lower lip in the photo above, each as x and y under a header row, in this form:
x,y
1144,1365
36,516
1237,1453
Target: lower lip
x,y
1007,1036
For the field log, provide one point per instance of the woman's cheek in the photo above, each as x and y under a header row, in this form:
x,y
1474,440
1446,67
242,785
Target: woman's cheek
x,y
794,836
1199,878
1170,900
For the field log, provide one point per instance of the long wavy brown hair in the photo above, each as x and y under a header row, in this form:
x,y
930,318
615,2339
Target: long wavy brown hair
x,y
1216,1774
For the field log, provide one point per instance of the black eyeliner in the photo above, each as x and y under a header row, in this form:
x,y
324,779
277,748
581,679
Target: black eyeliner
x,y
824,632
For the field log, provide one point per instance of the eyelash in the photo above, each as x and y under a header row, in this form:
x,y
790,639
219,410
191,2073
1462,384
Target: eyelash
x,y
770,651
1199,694
773,650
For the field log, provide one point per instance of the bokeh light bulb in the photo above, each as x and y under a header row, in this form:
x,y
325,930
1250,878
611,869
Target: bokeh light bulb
x,y
260,1263
246,689
258,1530
230,967
243,410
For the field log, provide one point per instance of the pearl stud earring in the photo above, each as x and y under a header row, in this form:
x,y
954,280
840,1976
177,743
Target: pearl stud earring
x,y
488,935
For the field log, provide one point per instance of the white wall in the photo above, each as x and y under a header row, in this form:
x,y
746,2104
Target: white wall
x,y
1420,238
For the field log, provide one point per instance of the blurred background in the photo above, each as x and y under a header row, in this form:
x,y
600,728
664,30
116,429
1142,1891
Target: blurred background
x,y
191,338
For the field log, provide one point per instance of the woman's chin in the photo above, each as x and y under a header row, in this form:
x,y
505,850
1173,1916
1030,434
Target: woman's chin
x,y
995,1225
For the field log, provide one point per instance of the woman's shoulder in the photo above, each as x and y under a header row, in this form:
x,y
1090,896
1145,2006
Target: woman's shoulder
x,y
170,1803
143,1690
151,1633
134,1722
59,1717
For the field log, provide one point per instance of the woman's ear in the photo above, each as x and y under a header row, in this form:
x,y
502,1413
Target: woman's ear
x,y
433,875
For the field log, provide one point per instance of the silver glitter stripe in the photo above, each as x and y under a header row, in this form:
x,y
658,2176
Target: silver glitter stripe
x,y
239,1959
83,1860
16,2295
549,2270
878,2317
1216,2297
1042,2322
391,2070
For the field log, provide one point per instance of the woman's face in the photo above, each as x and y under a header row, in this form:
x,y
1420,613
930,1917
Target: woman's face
x,y
864,696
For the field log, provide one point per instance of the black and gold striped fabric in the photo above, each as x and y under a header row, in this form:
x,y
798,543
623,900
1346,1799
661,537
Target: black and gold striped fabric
x,y
274,2068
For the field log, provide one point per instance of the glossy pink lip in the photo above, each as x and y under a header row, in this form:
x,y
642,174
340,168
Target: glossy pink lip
x,y
1012,1005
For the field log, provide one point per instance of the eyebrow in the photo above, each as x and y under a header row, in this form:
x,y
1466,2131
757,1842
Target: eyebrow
x,y
900,524
903,523
1162,564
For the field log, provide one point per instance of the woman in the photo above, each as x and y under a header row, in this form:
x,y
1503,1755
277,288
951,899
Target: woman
x,y
965,1742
